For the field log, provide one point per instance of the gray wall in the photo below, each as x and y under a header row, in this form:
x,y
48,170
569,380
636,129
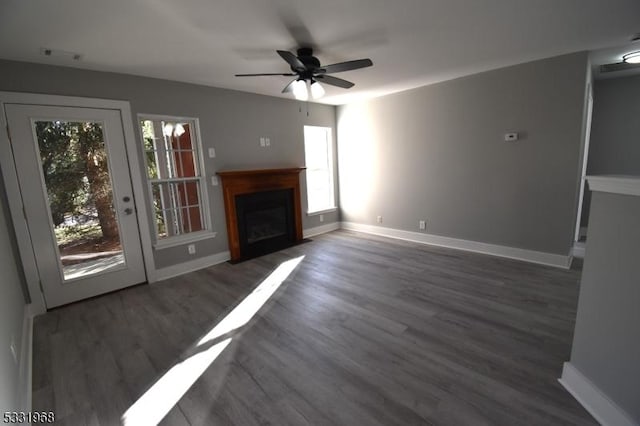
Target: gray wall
x,y
12,305
437,153
615,131
615,134
606,342
230,121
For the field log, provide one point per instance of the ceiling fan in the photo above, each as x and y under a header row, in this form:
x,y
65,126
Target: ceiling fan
x,y
629,61
306,68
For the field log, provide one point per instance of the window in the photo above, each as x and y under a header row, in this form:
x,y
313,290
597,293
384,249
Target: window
x,y
319,162
175,177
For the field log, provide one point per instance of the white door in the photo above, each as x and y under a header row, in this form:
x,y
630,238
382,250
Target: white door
x,y
76,189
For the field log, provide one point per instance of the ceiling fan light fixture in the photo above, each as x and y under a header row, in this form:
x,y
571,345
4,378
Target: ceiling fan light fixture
x,y
632,58
300,90
317,91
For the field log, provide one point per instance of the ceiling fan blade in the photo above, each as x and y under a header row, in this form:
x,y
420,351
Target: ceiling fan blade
x,y
289,87
296,64
334,81
347,66
257,75
619,66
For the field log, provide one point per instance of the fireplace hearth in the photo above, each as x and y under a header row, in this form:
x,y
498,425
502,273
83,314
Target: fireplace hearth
x,y
263,211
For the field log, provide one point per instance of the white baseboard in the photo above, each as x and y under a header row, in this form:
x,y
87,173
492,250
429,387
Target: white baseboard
x,y
605,411
322,229
26,361
578,249
204,262
192,265
549,259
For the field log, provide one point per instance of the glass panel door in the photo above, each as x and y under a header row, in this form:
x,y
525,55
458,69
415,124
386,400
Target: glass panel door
x,y
75,184
78,184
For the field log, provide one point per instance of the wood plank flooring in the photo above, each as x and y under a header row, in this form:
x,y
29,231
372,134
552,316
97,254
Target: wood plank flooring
x,y
365,331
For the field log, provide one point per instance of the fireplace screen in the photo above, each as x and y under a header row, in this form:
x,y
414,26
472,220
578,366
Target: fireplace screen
x,y
265,222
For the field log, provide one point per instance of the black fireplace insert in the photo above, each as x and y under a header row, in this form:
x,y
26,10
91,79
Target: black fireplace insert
x,y
265,222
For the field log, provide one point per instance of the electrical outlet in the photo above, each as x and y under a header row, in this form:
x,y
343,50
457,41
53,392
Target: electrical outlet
x,y
191,248
379,219
422,224
511,137
321,218
14,352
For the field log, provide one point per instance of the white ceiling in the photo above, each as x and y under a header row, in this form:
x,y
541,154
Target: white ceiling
x,y
411,42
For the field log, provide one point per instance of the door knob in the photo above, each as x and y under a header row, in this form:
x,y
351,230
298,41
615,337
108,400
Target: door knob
x,y
128,210
126,198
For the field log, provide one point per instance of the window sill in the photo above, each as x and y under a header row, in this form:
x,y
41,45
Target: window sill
x,y
316,213
184,239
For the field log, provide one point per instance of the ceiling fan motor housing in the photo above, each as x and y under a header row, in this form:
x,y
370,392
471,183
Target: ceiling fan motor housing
x,y
311,63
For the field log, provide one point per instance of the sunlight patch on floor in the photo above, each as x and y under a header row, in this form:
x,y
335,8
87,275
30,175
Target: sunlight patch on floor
x,y
156,402
251,304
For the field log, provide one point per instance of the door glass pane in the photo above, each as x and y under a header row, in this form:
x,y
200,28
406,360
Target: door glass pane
x,y
76,174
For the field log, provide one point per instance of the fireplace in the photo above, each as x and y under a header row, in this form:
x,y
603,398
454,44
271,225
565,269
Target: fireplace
x,y
265,221
263,211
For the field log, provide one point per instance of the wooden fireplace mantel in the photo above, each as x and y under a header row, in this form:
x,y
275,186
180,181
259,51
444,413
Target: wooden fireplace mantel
x,y
237,182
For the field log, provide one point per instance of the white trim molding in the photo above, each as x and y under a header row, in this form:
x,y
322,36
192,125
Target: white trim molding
x,y
579,249
182,240
322,229
205,262
14,197
25,366
625,185
191,266
325,211
603,409
549,259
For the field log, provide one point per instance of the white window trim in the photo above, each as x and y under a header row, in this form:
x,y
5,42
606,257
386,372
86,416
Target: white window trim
x,y
179,240
161,243
319,212
331,173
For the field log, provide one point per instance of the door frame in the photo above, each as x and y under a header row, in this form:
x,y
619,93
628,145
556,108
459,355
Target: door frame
x,y
14,195
585,160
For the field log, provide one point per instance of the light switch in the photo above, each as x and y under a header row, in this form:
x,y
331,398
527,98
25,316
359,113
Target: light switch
x,y
262,142
267,141
214,180
212,152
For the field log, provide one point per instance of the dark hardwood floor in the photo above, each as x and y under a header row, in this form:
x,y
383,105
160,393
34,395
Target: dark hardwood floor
x,y
365,331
